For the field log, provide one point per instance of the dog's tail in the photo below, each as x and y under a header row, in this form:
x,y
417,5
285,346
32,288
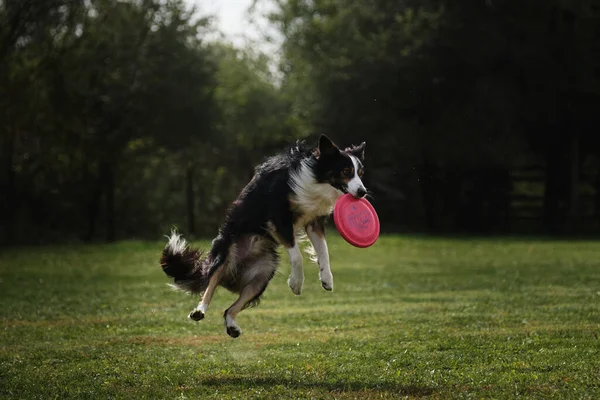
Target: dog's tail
x,y
184,265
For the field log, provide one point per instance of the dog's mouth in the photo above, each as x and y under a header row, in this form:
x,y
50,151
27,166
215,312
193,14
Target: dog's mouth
x,y
344,189
340,187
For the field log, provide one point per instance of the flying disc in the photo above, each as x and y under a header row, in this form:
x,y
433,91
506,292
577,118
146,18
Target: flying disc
x,y
356,220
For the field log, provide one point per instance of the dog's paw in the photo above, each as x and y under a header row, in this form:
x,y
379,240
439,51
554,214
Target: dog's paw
x,y
326,281
327,286
196,315
295,283
233,331
231,327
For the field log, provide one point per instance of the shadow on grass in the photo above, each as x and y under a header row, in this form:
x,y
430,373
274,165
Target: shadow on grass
x,y
331,386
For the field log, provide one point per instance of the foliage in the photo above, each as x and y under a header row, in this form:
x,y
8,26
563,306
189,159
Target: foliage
x,y
254,118
409,316
453,95
116,115
123,118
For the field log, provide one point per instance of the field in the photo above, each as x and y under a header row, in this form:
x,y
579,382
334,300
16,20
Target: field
x,y
409,317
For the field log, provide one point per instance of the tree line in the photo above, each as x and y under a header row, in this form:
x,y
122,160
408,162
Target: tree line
x,y
121,119
481,116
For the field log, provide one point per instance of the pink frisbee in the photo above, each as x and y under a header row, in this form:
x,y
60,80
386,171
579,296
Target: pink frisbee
x,y
356,220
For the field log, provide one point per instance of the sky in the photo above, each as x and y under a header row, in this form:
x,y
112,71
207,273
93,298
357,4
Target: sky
x,y
232,19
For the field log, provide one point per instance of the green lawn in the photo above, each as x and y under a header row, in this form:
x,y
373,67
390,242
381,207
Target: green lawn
x,y
414,317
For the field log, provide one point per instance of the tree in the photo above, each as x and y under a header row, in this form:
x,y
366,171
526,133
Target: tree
x,y
89,85
452,96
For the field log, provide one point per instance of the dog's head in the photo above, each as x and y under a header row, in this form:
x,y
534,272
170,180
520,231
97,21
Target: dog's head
x,y
342,169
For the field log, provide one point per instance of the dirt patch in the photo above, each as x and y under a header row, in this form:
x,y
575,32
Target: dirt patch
x,y
146,340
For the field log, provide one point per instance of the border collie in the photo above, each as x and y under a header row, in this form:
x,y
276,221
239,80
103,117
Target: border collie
x,y
288,198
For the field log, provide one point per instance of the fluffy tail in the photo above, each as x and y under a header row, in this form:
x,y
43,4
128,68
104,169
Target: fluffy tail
x,y
184,265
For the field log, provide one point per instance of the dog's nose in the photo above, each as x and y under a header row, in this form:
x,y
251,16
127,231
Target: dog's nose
x,y
360,193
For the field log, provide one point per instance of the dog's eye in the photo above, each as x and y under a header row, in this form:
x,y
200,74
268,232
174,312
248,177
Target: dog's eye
x,y
361,172
347,172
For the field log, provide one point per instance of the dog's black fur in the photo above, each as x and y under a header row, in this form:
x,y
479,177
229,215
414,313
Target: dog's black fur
x,y
270,210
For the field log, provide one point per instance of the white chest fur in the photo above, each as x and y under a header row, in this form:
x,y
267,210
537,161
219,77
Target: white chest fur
x,y
310,198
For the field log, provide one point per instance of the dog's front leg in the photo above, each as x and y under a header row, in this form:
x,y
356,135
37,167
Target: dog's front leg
x,y
316,235
297,274
284,230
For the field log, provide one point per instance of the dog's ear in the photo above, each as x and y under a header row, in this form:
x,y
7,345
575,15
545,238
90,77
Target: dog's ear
x,y
358,151
326,146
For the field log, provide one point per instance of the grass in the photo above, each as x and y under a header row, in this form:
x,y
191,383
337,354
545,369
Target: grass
x,y
409,317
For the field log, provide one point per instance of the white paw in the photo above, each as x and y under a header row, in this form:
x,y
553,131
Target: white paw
x,y
295,283
326,280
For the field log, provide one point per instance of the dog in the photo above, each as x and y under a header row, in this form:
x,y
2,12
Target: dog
x,y
289,198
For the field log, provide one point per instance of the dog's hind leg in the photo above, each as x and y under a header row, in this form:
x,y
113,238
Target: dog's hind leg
x,y
249,293
198,313
255,278
316,234
228,256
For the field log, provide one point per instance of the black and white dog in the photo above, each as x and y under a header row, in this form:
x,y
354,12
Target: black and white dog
x,y
290,194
